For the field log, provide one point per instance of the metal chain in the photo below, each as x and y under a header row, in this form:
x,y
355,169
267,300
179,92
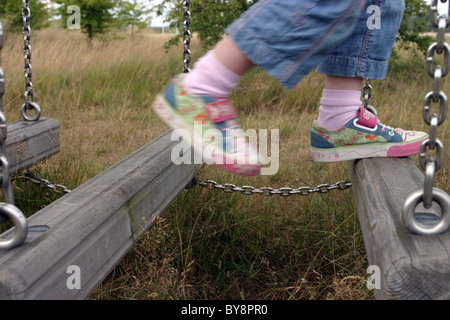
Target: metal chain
x,y
57,188
249,190
30,100
187,36
8,211
433,144
268,191
5,181
367,93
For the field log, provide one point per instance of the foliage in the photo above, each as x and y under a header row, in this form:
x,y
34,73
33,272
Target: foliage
x,y
132,14
415,22
11,14
209,18
96,15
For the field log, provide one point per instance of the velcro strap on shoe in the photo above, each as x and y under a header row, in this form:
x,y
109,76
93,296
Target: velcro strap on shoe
x,y
220,110
367,118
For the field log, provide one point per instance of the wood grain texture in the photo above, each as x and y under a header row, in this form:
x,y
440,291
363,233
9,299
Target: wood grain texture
x,y
94,226
29,142
412,266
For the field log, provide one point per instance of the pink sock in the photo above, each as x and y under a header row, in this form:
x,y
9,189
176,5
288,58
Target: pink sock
x,y
337,107
211,78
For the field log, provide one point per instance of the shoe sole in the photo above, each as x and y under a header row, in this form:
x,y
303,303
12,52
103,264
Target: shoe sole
x,y
173,120
385,150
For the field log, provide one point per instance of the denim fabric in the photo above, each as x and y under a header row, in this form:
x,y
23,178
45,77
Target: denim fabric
x,y
367,51
289,38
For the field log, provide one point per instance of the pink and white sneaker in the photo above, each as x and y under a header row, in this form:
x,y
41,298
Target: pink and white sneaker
x,y
222,141
363,137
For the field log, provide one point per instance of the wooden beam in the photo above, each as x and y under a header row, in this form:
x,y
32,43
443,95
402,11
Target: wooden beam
x,y
411,266
29,142
91,229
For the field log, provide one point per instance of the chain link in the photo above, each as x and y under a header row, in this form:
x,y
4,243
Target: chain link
x,y
30,176
429,164
8,211
433,144
30,100
268,191
367,93
187,36
5,181
250,190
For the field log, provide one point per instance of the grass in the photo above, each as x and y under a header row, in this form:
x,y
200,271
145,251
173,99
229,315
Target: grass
x,y
208,244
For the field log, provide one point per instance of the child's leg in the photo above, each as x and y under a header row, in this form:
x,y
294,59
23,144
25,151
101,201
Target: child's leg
x,y
341,100
285,38
229,54
218,72
344,130
365,54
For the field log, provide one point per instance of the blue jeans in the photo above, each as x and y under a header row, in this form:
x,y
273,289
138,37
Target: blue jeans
x,y
289,38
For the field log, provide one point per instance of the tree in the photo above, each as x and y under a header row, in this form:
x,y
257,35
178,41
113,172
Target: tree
x,y
96,15
11,14
133,14
209,18
415,21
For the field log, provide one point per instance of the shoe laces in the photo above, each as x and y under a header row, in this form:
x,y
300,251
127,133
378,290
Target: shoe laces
x,y
384,127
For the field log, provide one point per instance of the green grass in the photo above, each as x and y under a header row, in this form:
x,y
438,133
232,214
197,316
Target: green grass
x,y
208,244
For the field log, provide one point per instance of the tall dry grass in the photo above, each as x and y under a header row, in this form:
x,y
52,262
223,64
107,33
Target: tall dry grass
x,y
208,244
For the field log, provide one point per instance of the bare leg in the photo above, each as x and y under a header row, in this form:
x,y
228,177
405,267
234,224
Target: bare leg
x,y
227,52
343,83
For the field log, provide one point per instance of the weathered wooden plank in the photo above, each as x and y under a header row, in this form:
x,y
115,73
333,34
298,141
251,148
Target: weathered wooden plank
x,y
29,142
411,266
94,226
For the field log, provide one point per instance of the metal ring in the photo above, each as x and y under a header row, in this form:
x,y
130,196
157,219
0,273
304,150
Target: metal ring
x,y
20,223
372,109
411,204
430,59
1,35
439,146
434,15
442,25
442,107
4,165
437,83
31,105
434,123
430,171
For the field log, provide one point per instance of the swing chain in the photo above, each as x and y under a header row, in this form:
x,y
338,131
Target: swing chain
x,y
8,211
30,176
5,182
433,144
250,190
187,35
268,191
28,70
367,93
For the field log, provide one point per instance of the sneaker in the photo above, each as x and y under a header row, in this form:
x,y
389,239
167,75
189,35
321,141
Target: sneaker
x,y
363,137
211,121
